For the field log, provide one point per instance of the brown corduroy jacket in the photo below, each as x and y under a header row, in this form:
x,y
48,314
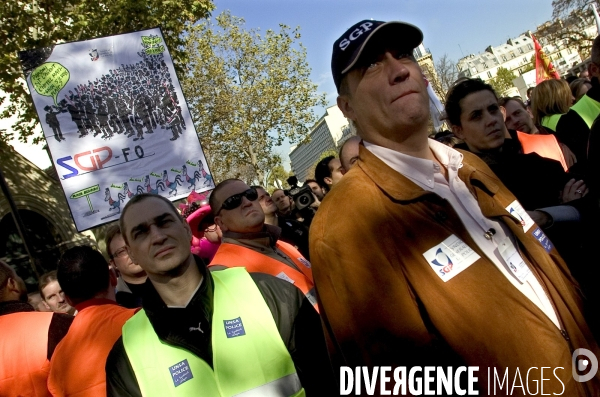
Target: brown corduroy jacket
x,y
382,304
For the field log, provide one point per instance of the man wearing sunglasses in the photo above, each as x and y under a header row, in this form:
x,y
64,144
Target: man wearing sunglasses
x,y
203,333
249,242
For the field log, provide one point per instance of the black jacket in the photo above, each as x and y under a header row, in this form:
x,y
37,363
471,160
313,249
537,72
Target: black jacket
x,y
574,132
298,324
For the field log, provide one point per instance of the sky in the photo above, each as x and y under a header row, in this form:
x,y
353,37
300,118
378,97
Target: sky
x,y
453,27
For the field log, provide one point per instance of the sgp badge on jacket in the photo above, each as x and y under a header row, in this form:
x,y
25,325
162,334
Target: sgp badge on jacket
x,y
450,257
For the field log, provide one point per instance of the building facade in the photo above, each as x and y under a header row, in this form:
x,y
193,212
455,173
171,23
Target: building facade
x,y
45,215
517,55
324,136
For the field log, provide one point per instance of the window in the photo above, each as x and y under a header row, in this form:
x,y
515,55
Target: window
x,y
489,74
530,46
504,58
512,55
485,66
520,50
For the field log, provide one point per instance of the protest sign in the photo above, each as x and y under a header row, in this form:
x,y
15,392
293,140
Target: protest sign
x,y
116,122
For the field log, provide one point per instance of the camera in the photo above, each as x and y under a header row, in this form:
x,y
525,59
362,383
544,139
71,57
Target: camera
x,y
302,196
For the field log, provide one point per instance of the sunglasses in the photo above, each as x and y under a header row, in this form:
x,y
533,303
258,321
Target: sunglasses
x,y
236,200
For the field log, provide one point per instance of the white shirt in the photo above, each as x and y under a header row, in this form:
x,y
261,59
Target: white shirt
x,y
427,175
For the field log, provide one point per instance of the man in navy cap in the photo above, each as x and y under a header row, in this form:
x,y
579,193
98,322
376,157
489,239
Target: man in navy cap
x,y
447,270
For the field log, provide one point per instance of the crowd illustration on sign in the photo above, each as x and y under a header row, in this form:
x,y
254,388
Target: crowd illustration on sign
x,y
132,99
162,183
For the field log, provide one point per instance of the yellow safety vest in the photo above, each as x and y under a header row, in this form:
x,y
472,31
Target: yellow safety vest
x,y
249,357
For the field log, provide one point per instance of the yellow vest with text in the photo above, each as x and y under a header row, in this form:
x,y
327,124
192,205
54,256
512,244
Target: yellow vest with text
x,y
249,357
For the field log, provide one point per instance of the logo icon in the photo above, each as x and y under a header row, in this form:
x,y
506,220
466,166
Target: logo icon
x,y
234,328
94,56
582,364
446,268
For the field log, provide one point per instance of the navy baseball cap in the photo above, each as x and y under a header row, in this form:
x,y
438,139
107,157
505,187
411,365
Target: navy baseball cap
x,y
349,47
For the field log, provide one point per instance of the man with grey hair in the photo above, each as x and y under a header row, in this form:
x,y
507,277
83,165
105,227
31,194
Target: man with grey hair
x,y
437,265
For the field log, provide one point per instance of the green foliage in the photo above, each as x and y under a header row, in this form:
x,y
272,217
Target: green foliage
x,y
310,173
276,179
42,23
248,92
570,20
503,81
531,65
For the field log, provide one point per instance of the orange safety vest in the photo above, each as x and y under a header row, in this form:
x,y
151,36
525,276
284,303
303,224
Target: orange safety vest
x,y
544,145
23,354
232,255
77,365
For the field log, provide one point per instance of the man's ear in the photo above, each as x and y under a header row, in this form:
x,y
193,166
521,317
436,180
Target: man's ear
x,y
457,131
345,105
593,70
219,222
328,180
112,276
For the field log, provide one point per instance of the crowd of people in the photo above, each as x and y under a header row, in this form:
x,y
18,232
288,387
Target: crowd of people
x,y
126,100
475,249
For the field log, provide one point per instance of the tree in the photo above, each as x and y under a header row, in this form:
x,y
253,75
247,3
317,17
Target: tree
x,y
42,23
570,18
447,73
310,173
276,178
248,93
530,66
503,80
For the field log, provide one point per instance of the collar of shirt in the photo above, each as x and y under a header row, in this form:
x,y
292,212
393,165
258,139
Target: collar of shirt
x,y
418,170
94,302
265,239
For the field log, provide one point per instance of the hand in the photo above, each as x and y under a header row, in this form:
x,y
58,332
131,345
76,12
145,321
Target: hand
x,y
573,190
541,218
316,203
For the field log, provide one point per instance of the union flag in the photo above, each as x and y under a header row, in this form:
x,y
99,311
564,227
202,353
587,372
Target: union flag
x,y
544,70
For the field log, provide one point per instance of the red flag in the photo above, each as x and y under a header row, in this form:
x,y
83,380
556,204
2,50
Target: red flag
x,y
544,70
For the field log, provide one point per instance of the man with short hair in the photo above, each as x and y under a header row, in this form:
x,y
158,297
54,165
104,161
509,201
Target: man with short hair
x,y
349,152
283,202
292,232
53,295
443,272
77,366
328,172
316,189
28,338
519,120
203,333
249,242
131,277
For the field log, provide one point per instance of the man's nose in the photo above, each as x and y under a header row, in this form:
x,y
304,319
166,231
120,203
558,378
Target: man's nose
x,y
156,234
246,202
398,72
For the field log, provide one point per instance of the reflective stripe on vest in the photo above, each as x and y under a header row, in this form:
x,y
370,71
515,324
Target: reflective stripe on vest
x,y
551,121
544,145
233,255
249,357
